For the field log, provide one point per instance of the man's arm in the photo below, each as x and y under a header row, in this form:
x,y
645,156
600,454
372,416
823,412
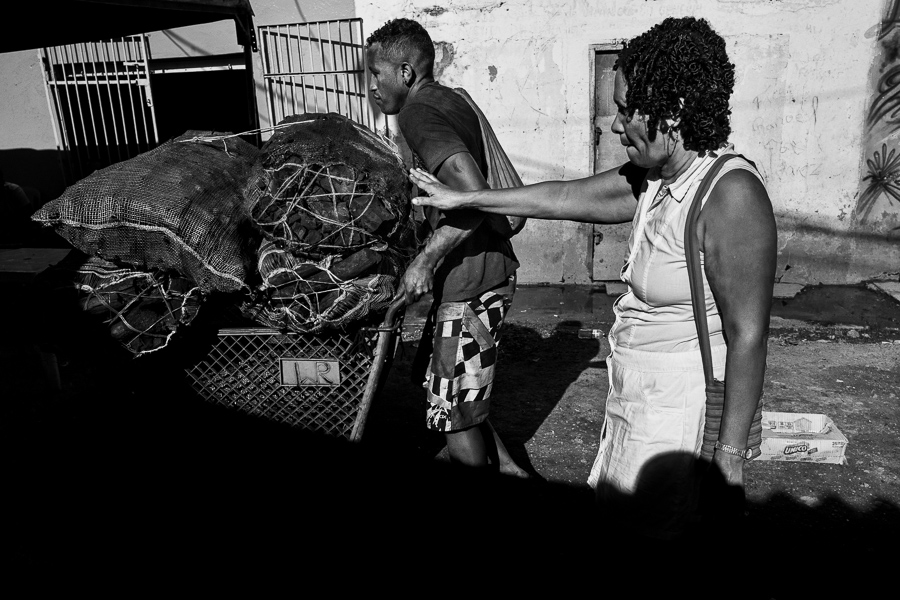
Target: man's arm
x,y
607,197
459,172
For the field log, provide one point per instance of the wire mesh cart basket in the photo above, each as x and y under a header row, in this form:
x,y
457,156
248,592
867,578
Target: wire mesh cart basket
x,y
321,382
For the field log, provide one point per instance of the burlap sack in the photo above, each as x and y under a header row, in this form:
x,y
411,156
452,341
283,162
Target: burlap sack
x,y
178,207
326,185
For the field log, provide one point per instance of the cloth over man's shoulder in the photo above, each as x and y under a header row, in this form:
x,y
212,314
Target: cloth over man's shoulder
x,y
438,123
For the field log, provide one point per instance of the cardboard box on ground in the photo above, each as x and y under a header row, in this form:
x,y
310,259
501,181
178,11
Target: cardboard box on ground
x,y
801,437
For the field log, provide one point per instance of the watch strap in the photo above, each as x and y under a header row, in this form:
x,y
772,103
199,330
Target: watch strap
x,y
745,453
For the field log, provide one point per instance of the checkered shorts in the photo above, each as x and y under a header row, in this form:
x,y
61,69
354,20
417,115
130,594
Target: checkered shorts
x,y
460,374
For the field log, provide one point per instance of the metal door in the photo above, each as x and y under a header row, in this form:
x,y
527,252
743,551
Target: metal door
x,y
99,95
610,241
318,66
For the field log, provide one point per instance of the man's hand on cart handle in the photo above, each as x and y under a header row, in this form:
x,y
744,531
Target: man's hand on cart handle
x,y
416,281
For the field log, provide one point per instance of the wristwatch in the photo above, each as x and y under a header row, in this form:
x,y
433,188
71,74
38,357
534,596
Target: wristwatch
x,y
745,454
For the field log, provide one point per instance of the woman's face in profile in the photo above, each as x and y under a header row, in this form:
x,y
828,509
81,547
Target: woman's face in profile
x,y
632,132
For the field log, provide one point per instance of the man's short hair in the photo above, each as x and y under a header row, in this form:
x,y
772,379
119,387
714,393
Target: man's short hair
x,y
405,40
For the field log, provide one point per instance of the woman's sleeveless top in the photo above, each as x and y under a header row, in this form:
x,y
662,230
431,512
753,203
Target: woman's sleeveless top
x,y
655,314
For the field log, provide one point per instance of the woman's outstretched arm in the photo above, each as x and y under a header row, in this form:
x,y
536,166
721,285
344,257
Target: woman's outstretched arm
x,y
608,197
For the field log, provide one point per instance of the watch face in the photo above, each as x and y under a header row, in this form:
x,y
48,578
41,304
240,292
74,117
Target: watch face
x,y
747,454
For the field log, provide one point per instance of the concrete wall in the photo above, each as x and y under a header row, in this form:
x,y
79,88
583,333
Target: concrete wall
x,y
802,92
219,38
27,144
28,153
877,210
806,106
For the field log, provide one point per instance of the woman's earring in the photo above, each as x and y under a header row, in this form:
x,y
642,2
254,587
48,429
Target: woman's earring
x,y
673,140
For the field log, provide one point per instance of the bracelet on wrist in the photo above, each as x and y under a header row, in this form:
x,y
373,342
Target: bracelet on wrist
x,y
745,453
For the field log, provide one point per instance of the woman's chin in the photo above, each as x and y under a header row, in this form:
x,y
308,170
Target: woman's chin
x,y
635,157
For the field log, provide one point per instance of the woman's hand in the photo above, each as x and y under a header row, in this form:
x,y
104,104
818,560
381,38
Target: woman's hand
x,y
439,195
731,466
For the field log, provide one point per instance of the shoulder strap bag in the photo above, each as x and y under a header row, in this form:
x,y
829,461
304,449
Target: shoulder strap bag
x,y
501,172
715,389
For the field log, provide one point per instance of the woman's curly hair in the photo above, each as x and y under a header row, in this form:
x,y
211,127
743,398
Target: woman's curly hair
x,y
680,58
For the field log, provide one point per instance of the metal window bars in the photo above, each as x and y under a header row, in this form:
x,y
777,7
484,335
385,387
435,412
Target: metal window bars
x,y
318,66
99,94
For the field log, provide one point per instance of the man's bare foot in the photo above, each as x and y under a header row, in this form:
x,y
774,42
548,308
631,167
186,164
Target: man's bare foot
x,y
514,470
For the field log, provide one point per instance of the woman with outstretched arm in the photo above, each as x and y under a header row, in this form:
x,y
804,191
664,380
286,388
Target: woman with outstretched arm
x,y
672,89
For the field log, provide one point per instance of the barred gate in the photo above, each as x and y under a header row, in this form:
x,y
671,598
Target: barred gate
x,y
99,94
318,66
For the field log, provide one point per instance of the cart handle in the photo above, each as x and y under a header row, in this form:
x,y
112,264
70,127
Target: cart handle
x,y
392,312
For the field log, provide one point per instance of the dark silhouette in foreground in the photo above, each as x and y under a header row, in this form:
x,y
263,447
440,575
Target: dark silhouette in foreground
x,y
126,476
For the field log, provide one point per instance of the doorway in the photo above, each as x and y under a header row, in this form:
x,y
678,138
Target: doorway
x,y
208,93
610,241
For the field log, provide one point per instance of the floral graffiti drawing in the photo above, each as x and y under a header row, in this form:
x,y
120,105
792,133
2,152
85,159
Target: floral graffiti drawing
x,y
886,106
883,176
891,19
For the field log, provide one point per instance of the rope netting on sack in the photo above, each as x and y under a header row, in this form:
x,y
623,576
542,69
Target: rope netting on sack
x,y
308,296
179,207
324,184
333,201
142,310
311,232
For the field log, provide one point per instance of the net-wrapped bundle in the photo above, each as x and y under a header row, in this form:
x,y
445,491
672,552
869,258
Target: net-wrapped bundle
x,y
307,296
333,201
179,207
141,310
325,185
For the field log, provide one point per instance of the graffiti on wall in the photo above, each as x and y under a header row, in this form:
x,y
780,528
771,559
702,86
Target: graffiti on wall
x,y
881,183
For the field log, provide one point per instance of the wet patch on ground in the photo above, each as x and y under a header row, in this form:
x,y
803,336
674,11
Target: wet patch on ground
x,y
841,305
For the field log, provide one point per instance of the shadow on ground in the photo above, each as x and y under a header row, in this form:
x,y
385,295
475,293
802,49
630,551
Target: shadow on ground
x,y
139,482
842,305
532,376
125,475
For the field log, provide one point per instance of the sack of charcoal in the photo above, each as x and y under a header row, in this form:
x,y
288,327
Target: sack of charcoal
x,y
324,184
140,310
179,207
308,296
333,202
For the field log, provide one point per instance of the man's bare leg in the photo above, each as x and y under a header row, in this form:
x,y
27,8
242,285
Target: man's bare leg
x,y
476,446
506,464
467,447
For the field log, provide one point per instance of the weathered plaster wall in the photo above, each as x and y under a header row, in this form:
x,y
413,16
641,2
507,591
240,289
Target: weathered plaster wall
x,y
877,211
813,76
220,37
800,105
27,145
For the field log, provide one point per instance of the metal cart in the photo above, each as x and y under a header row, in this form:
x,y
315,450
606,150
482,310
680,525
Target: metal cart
x,y
322,382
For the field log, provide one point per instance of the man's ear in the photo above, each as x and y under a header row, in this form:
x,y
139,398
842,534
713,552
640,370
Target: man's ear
x,y
408,73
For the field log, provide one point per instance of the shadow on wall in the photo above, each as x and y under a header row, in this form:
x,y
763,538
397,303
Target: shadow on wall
x,y
30,178
809,253
812,254
38,169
